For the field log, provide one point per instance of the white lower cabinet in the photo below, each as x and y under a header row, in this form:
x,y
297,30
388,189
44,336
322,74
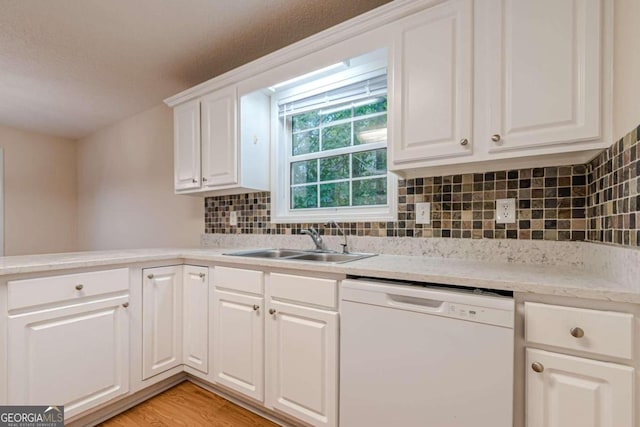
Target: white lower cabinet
x,y
276,341
573,391
301,362
195,320
75,355
569,390
161,319
238,343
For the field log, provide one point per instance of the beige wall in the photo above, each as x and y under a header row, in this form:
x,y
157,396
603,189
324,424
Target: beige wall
x,y
626,74
125,187
39,193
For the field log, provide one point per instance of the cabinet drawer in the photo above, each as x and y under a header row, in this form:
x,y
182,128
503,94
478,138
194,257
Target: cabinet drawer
x,y
309,290
46,290
605,333
250,281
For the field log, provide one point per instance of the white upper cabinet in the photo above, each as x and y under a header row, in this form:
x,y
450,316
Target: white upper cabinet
x,y
433,84
214,153
543,68
219,142
186,129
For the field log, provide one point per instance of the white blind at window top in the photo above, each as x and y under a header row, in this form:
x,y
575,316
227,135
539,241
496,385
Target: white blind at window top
x,y
374,86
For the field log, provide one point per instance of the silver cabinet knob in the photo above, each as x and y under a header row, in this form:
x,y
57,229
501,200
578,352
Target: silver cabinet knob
x,y
202,275
496,137
150,276
195,181
256,307
204,179
79,287
272,311
537,367
577,332
464,141
125,305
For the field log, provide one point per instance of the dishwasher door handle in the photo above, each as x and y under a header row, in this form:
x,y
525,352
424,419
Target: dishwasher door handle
x,y
417,304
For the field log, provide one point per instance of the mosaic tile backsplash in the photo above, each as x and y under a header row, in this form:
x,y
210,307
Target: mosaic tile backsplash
x,y
597,202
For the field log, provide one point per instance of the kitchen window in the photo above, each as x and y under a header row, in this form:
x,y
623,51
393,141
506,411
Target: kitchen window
x,y
332,156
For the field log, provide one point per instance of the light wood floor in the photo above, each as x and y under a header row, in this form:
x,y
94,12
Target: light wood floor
x,y
187,405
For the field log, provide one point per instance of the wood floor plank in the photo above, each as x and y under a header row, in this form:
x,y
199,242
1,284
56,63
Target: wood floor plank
x,y
187,405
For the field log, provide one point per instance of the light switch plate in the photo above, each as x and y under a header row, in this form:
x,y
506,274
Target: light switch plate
x,y
233,218
505,211
423,213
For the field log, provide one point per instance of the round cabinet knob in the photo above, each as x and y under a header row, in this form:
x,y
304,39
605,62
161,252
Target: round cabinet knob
x,y
537,367
202,275
256,307
204,179
150,276
464,142
195,181
272,311
125,305
79,287
577,332
496,137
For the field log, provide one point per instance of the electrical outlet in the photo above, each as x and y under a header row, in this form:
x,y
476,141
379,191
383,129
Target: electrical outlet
x,y
233,218
423,213
506,211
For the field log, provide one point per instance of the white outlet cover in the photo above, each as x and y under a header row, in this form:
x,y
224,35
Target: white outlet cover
x,y
423,213
505,211
233,218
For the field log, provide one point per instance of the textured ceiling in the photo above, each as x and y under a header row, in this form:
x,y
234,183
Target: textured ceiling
x,y
70,67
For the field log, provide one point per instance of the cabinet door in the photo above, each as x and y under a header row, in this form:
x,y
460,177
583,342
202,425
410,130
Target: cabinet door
x,y
195,331
161,320
433,73
76,356
186,144
238,343
219,143
302,360
541,64
572,391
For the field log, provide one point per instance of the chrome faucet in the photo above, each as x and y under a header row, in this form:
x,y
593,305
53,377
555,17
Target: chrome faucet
x,y
345,249
316,237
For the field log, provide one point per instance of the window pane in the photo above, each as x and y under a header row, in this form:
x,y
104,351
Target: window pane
x,y
333,114
336,167
304,197
305,142
375,105
334,194
369,163
336,137
304,172
370,130
307,120
370,192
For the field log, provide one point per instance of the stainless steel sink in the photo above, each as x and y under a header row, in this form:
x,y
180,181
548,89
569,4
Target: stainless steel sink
x,y
269,253
331,257
302,255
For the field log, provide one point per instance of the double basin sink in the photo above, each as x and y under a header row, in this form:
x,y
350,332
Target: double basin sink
x,y
302,255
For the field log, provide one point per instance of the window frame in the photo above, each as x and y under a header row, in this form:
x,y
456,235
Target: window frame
x,y
282,158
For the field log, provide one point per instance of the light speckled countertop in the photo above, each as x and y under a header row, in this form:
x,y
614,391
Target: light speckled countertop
x,y
540,279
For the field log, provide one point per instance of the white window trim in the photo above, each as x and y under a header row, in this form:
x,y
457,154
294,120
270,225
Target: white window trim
x,y
281,213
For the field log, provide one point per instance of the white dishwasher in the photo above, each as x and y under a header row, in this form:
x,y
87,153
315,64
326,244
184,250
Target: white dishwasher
x,y
424,356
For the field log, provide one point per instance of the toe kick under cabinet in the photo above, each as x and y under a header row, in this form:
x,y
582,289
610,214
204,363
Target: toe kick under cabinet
x,y
68,337
276,341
